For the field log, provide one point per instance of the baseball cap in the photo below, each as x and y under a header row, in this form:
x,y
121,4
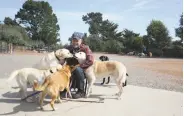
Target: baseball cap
x,y
77,35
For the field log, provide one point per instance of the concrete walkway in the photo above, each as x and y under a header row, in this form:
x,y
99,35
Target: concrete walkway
x,y
136,101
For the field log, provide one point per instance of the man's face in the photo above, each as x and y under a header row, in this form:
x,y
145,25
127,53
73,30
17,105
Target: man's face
x,y
76,42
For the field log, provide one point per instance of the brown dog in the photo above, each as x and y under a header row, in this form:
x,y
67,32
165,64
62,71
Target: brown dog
x,y
52,85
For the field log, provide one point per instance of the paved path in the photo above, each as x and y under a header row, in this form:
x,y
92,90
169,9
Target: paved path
x,y
136,101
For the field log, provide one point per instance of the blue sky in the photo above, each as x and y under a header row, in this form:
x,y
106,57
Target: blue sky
x,y
131,14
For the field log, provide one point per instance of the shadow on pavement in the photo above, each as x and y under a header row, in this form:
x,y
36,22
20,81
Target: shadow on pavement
x,y
22,106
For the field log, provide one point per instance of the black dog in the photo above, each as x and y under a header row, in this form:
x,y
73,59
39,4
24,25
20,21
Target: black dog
x,y
71,61
104,58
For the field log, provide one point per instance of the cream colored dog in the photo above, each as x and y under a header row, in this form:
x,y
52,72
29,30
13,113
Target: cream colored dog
x,y
101,69
53,59
26,76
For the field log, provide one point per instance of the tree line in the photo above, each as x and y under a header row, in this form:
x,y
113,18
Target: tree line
x,y
105,37
36,25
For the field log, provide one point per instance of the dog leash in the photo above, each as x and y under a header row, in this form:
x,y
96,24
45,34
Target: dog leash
x,y
101,100
37,92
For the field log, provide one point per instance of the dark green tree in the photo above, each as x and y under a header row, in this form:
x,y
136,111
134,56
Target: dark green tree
x,y
158,32
179,30
109,30
129,38
39,20
94,19
9,21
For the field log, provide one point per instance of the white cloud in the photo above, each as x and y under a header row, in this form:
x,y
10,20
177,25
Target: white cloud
x,y
78,16
141,3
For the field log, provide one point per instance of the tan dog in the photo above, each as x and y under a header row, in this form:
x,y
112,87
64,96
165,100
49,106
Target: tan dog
x,y
150,54
52,85
100,69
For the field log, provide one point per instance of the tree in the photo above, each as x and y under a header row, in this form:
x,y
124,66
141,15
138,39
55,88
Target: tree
x,y
95,42
113,46
39,20
94,19
138,44
13,35
128,38
9,21
159,34
108,30
179,30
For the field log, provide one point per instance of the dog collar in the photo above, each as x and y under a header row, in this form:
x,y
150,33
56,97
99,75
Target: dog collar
x,y
56,56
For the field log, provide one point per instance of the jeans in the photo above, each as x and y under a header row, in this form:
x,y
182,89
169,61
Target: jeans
x,y
78,77
77,81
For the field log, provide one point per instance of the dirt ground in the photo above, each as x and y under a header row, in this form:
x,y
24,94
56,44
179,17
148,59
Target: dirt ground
x,y
159,73
166,66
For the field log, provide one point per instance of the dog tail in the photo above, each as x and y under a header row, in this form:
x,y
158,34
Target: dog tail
x,y
125,81
38,87
13,75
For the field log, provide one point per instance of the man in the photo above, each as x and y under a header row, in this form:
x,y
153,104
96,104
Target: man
x,y
78,74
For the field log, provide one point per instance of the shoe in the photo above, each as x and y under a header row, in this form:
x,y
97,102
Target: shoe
x,y
79,94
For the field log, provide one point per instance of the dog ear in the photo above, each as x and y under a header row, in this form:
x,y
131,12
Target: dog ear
x,y
59,53
100,57
106,58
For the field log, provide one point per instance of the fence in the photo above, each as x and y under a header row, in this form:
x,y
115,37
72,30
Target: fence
x,y
9,48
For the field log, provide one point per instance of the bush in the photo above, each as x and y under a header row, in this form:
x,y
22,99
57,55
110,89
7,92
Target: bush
x,y
113,46
156,52
95,43
176,52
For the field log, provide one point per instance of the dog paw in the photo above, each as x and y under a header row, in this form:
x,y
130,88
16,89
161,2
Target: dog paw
x,y
54,109
86,96
58,101
41,108
116,94
118,98
90,91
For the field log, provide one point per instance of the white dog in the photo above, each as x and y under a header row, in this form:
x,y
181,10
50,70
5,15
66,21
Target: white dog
x,y
26,76
101,69
53,59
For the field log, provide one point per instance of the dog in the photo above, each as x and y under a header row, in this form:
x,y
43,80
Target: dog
x,y
104,58
53,59
131,53
141,54
149,54
27,76
99,69
55,83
